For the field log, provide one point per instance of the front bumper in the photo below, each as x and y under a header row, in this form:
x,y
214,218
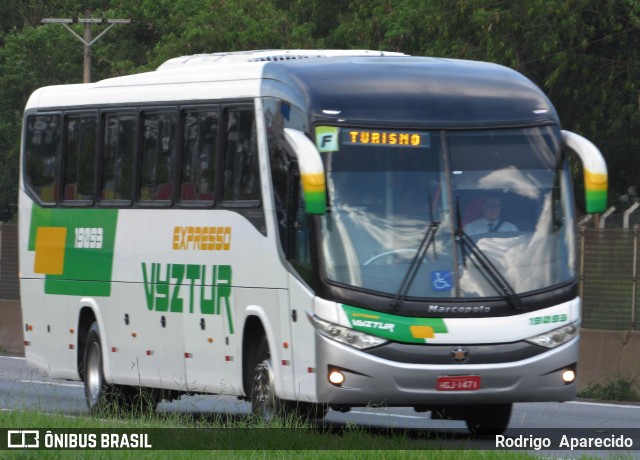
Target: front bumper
x,y
374,380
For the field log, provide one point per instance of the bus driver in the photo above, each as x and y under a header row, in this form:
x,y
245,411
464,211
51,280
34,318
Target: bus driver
x,y
490,220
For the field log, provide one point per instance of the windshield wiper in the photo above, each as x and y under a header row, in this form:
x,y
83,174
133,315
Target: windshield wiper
x,y
407,281
484,264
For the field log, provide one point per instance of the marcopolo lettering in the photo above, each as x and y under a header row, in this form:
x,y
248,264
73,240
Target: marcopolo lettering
x,y
189,288
459,310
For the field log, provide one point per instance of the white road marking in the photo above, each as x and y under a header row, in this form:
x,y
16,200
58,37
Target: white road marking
x,y
74,385
361,412
601,404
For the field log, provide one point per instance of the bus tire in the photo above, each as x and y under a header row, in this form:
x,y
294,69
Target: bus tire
x,y
107,399
488,419
96,390
264,402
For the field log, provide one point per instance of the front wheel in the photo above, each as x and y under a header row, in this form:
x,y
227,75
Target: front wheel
x,y
264,402
488,419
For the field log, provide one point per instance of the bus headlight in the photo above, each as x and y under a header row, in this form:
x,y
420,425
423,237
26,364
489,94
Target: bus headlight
x,y
556,337
345,335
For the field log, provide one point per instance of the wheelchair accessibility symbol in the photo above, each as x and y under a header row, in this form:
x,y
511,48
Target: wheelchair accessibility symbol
x,y
441,280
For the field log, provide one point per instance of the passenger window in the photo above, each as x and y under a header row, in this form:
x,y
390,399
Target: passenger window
x,y
117,156
199,147
241,170
158,156
43,143
79,160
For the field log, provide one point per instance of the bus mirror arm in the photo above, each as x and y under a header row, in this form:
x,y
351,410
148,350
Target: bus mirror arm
x,y
595,171
311,171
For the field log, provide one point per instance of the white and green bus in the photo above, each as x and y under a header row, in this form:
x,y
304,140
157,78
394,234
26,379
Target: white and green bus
x,y
294,228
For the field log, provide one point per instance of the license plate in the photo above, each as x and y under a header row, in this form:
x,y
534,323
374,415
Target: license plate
x,y
458,383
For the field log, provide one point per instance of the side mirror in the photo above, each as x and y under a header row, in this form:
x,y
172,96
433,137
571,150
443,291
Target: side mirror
x,y
311,171
595,171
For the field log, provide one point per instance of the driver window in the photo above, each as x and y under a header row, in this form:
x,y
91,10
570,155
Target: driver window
x,y
295,226
301,252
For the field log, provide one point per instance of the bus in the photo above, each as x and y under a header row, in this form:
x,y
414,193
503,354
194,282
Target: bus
x,y
292,227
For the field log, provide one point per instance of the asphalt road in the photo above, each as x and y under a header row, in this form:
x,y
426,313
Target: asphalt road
x,y
23,388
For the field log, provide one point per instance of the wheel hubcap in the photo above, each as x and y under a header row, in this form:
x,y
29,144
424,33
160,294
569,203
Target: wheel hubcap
x,y
264,397
94,373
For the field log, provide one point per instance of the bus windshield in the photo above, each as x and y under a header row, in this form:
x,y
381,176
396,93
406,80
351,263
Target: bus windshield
x,y
499,195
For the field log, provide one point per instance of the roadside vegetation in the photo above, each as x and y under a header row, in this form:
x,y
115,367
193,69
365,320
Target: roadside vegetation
x,y
622,390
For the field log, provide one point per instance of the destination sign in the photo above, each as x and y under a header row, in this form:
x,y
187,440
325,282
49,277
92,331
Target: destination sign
x,y
366,137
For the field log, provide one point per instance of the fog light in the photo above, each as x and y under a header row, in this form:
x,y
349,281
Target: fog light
x,y
568,376
336,377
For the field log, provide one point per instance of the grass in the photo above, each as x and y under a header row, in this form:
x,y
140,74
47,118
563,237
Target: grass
x,y
622,389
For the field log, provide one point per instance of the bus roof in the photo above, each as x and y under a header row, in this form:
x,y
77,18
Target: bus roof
x,y
266,56
333,86
414,90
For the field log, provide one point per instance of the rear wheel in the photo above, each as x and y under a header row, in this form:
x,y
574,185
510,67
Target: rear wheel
x,y
104,398
95,387
488,419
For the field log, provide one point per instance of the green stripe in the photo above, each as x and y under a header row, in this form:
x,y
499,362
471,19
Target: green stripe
x,y
79,288
379,324
315,202
596,201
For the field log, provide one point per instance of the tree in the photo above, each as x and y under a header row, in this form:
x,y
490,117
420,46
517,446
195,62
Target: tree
x,y
205,26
